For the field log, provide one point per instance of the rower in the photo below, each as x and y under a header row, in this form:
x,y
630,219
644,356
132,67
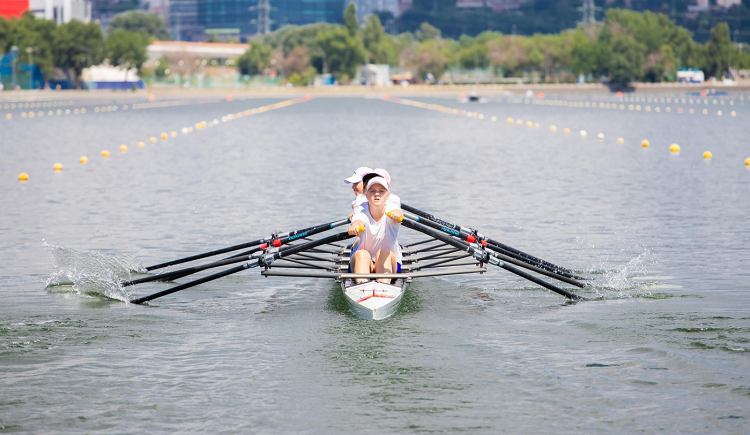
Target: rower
x,y
377,249
357,186
379,172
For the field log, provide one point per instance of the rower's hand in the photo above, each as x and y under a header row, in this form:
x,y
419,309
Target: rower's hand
x,y
396,215
355,228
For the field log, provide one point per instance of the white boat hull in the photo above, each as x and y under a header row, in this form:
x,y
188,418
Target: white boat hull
x,y
372,299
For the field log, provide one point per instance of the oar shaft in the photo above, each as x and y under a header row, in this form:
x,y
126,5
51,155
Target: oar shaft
x,y
482,255
524,256
266,260
286,237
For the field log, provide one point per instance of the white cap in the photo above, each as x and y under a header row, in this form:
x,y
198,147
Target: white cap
x,y
357,175
377,180
381,172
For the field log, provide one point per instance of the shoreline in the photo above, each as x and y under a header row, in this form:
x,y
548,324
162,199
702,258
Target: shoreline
x,y
361,91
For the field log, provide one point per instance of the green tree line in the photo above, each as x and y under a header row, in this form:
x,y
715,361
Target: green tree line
x,y
74,46
626,46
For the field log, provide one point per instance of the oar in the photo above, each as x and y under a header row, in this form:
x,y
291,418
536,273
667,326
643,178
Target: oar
x,y
265,260
245,256
486,241
485,256
504,255
293,235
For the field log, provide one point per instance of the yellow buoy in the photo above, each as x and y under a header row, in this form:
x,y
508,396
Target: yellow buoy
x,y
123,148
645,143
152,139
707,155
8,116
519,122
83,159
674,148
105,153
747,161
141,144
620,140
25,177
163,136
566,131
58,167
510,120
734,113
23,114
173,134
553,128
529,124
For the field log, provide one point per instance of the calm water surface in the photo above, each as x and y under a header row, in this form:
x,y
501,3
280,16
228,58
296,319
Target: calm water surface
x,y
663,348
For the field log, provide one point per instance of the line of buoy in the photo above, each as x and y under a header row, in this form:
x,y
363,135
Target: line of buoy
x,y
203,124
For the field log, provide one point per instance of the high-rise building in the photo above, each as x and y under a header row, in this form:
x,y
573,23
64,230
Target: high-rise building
x,y
367,7
183,20
251,17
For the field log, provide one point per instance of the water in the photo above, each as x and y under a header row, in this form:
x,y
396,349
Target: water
x,y
663,347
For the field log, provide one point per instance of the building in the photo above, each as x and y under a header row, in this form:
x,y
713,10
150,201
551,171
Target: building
x,y
61,11
252,17
403,6
495,5
367,7
183,20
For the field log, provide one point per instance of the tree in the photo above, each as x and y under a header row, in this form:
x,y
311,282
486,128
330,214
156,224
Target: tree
x,y
350,19
126,49
717,51
626,59
33,38
138,22
77,46
430,58
377,42
426,31
342,51
254,60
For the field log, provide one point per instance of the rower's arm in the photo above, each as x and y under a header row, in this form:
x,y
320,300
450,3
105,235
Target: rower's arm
x,y
356,227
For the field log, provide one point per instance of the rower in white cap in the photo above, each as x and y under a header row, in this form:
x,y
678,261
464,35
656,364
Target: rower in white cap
x,y
357,186
377,249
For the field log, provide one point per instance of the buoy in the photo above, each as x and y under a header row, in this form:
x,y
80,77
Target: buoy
x,y
519,122
151,98
123,148
229,98
163,136
674,148
583,133
190,129
494,118
645,143
707,155
620,140
83,159
152,139
25,177
541,95
141,144
566,131
462,96
553,128
747,161
385,97
307,97
8,116
173,134
105,153
58,167
536,125
619,94
529,124
600,136
719,113
510,120
733,113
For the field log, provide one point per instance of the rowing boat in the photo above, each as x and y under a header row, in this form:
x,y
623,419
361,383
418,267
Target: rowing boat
x,y
374,300
448,249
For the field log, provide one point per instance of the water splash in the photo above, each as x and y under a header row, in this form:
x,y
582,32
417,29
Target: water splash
x,y
92,273
621,282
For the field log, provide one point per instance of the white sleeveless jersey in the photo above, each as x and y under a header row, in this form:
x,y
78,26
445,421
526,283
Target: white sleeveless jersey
x,y
377,235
